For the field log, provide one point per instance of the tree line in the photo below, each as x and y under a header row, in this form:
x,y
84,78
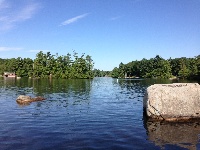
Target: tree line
x,y
185,68
46,64
75,66
101,73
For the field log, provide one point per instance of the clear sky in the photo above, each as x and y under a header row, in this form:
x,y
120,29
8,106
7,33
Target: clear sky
x,y
111,31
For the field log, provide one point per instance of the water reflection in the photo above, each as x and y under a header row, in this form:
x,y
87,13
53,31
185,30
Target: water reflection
x,y
60,91
182,134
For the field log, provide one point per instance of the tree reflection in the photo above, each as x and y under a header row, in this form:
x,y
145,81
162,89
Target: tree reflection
x,y
60,91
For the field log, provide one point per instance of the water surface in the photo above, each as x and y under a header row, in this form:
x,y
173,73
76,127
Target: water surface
x,y
102,113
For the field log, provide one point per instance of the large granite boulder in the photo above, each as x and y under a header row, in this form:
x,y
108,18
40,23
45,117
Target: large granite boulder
x,y
178,101
24,100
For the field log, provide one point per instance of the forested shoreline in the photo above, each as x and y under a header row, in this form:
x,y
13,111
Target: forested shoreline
x,y
185,68
73,66
46,65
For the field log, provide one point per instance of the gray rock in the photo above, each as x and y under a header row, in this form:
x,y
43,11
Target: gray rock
x,y
172,101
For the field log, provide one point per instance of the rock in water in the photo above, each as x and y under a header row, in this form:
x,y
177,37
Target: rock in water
x,y
178,101
39,98
25,100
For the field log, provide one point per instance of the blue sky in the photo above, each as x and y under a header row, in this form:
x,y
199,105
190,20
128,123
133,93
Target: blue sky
x,y
111,31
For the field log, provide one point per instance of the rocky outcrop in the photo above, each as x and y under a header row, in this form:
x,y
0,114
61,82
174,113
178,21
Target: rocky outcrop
x,y
25,100
171,102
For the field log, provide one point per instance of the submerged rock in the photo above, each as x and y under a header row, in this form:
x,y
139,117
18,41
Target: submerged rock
x,y
25,100
172,102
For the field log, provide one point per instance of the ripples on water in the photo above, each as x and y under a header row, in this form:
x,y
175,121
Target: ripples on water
x,y
102,113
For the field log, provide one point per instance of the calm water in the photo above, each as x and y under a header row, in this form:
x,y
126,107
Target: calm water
x,y
102,113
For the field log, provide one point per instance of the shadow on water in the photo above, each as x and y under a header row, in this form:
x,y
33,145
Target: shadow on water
x,y
173,134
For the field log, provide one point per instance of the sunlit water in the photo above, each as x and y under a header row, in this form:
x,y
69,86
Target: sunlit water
x,y
102,113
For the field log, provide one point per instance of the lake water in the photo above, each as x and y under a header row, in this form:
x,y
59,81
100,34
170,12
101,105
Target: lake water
x,y
102,113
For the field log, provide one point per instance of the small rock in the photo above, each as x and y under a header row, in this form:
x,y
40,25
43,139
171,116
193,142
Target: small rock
x,y
25,100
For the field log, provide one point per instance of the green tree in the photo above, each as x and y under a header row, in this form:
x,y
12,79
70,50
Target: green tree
x,y
184,71
115,73
175,67
193,68
122,70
